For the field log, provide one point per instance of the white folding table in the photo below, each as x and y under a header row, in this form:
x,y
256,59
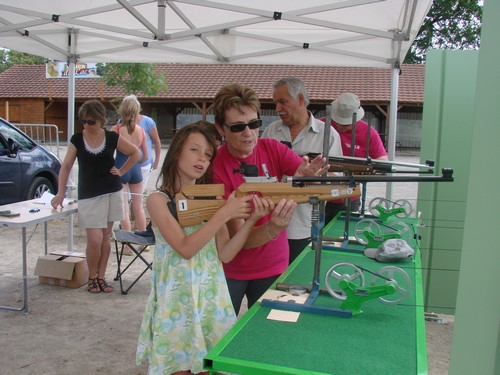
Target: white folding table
x,y
26,219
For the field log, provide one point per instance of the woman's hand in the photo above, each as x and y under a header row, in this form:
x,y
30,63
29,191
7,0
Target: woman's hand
x,y
282,214
315,167
57,201
115,171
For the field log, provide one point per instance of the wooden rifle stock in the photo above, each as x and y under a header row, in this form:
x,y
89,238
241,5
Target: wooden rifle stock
x,y
300,194
192,209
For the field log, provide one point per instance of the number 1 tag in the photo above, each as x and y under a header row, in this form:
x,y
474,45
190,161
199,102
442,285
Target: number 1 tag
x,y
182,205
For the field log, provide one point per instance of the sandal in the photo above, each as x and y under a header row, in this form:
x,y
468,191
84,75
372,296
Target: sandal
x,y
104,286
93,286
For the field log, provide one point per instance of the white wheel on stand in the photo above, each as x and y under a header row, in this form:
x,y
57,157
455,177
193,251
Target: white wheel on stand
x,y
406,205
340,271
375,202
402,228
364,225
402,282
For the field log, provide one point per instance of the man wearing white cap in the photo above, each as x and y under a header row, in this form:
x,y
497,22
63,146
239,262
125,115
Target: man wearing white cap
x,y
343,109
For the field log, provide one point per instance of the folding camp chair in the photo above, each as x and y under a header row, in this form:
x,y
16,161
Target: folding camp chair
x,y
137,242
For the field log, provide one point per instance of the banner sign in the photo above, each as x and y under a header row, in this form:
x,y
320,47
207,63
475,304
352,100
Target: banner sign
x,y
56,69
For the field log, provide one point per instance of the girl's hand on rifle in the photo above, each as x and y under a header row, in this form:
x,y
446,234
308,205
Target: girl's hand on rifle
x,y
261,207
237,207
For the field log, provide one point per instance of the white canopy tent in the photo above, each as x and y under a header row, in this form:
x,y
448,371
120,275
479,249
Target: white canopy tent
x,y
369,33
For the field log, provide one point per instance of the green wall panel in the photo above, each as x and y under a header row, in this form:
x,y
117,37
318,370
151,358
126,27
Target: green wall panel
x,y
452,210
440,238
447,125
444,239
447,260
476,334
444,292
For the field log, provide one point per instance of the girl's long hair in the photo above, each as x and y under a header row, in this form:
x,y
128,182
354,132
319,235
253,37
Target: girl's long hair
x,y
129,112
169,173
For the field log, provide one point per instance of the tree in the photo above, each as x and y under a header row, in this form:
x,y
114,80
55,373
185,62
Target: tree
x,y
451,24
133,77
9,58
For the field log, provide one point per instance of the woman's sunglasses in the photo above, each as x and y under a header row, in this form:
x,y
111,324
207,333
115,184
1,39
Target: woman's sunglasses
x,y
238,127
90,122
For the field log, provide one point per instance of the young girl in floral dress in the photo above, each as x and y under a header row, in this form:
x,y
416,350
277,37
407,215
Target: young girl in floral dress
x,y
189,309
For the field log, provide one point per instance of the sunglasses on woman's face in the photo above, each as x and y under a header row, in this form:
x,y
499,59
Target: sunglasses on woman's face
x,y
90,122
238,127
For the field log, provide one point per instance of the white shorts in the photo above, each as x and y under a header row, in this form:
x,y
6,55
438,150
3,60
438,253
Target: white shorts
x,y
99,211
145,170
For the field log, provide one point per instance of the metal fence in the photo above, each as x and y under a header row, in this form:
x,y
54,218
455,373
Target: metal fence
x,y
408,143
46,135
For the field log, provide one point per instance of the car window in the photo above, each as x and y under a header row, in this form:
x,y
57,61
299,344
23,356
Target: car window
x,y
23,142
3,144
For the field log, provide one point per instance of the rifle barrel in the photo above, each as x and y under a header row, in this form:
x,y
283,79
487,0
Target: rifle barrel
x,y
382,165
447,176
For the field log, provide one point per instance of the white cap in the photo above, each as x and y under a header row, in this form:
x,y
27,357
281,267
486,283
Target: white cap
x,y
344,107
393,250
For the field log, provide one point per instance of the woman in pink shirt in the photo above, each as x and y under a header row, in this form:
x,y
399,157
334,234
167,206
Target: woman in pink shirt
x,y
265,254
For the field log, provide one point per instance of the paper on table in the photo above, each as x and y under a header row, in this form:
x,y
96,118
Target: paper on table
x,y
47,196
283,316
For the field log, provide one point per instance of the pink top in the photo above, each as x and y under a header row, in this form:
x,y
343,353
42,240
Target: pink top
x,y
272,258
376,146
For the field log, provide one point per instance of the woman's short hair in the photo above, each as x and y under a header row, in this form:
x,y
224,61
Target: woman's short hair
x,y
95,110
234,95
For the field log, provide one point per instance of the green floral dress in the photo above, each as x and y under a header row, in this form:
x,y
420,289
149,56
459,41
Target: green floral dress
x,y
188,311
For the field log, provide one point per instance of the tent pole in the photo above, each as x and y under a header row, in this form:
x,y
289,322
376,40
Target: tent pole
x,y
393,115
71,186
71,98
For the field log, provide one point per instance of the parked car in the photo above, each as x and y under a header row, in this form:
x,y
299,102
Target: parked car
x,y
27,169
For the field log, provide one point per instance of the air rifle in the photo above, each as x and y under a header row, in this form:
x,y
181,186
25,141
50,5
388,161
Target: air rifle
x,y
446,176
353,165
197,203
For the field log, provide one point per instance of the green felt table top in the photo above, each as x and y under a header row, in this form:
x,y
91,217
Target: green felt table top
x,y
383,339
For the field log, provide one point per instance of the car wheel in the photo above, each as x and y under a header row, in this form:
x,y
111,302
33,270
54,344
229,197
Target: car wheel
x,y
39,186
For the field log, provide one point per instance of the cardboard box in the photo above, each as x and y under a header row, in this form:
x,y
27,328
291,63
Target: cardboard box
x,y
68,271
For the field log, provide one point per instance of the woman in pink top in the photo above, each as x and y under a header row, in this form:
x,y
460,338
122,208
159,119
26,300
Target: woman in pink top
x,y
132,180
265,254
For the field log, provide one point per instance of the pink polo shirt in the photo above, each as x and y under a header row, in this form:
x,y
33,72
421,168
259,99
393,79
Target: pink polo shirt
x,y
272,258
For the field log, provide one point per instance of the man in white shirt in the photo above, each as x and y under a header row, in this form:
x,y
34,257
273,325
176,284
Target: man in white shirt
x,y
298,128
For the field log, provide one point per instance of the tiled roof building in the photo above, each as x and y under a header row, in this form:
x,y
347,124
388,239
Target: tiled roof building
x,y
191,87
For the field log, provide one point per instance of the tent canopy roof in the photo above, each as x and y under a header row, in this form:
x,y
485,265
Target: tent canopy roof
x,y
375,33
